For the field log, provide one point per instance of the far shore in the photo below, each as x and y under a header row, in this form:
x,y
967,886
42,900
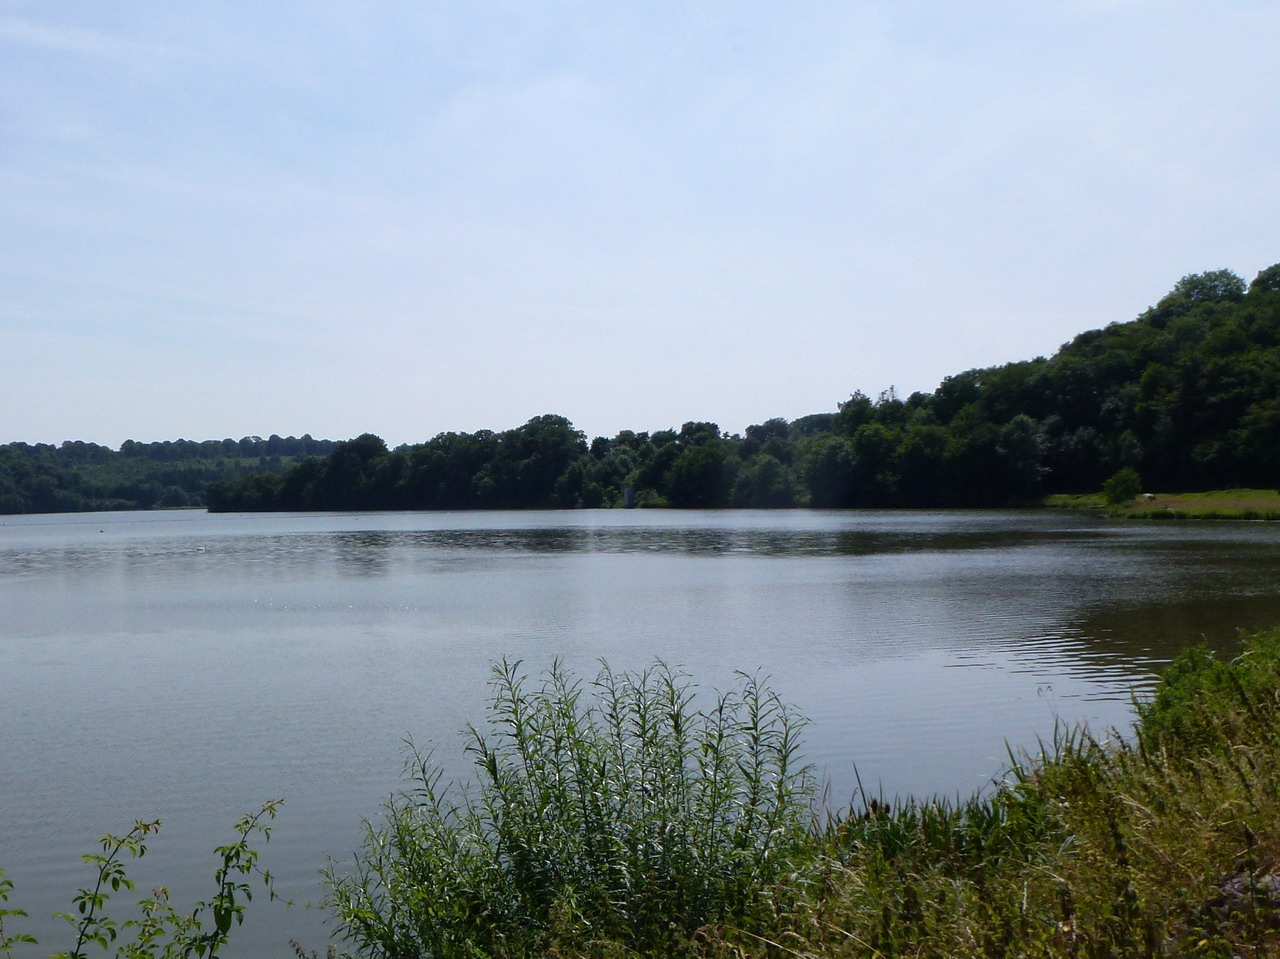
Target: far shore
x,y
1256,504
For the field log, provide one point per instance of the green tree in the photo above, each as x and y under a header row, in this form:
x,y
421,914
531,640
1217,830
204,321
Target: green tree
x,y
1267,281
922,465
772,437
875,465
531,459
764,483
345,475
855,412
699,433
826,467
1123,486
1022,448
702,476
1209,287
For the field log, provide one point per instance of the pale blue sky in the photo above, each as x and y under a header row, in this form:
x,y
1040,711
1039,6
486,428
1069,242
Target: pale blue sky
x,y
243,218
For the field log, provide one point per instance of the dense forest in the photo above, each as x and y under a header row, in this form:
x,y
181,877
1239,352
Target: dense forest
x,y
1188,394
77,476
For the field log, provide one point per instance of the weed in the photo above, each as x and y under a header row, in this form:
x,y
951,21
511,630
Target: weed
x,y
162,931
616,812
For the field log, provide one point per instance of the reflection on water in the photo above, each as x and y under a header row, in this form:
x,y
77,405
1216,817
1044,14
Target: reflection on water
x,y
894,533
187,666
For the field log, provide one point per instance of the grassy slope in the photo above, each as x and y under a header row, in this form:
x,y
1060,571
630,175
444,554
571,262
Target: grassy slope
x,y
1214,504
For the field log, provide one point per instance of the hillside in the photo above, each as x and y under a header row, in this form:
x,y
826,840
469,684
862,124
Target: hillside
x,y
1188,394
79,476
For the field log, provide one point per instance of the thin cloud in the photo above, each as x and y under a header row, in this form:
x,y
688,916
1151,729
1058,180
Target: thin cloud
x,y
73,40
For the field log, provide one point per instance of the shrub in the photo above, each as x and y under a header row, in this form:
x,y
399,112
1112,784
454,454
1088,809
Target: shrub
x,y
1203,701
1122,486
627,815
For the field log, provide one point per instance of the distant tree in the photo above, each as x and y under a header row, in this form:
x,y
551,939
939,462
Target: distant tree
x,y
769,429
826,467
697,434
813,424
662,437
655,465
573,489
764,483
776,431
1209,287
1022,448
855,412
701,476
975,467
922,465
1267,281
610,476
344,477
890,409
875,465
533,457
956,392
1122,486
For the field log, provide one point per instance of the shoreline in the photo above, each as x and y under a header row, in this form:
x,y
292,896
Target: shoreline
x,y
1231,504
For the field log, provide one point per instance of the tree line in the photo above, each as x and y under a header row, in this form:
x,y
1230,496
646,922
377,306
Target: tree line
x,y
1187,394
77,476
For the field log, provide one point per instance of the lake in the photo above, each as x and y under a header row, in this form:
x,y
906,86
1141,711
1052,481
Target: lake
x,y
187,666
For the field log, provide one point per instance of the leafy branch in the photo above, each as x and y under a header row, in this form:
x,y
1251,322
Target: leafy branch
x,y
162,932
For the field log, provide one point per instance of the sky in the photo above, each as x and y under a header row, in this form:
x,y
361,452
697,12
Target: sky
x,y
245,218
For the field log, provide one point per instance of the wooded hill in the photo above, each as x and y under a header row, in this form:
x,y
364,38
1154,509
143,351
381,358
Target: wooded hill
x,y
1188,394
78,476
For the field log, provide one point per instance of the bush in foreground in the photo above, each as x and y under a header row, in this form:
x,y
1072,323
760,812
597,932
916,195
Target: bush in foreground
x,y
635,825
616,812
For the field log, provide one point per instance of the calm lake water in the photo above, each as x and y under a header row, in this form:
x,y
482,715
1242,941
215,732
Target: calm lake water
x,y
186,666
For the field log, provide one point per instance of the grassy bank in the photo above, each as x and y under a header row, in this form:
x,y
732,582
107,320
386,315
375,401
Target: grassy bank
x,y
1250,504
1164,843
1168,844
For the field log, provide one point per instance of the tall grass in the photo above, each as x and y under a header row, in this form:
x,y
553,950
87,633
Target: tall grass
x,y
614,812
1166,843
